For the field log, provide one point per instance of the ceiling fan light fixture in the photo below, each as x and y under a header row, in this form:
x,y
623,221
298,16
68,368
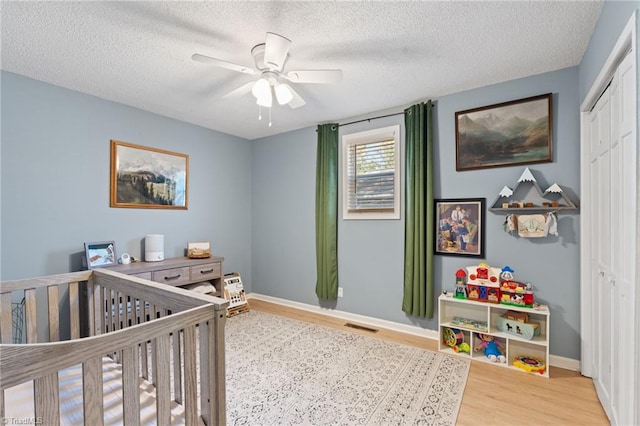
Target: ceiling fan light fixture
x,y
261,89
283,93
265,100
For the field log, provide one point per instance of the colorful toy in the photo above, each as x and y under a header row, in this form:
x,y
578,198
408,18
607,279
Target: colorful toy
x,y
461,286
483,283
514,293
454,338
462,347
529,364
494,348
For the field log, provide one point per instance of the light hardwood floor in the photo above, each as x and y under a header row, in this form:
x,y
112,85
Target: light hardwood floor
x,y
493,395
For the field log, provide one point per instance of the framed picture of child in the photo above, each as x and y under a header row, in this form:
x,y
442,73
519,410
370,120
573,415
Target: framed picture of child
x,y
460,227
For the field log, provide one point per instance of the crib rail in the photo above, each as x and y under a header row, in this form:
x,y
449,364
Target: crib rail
x,y
151,329
30,289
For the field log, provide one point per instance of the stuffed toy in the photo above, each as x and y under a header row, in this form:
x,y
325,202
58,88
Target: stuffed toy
x,y
493,349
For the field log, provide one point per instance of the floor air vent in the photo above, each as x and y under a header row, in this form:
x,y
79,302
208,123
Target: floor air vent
x,y
361,327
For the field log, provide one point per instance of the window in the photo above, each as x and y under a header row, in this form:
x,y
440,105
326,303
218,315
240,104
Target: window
x,y
371,174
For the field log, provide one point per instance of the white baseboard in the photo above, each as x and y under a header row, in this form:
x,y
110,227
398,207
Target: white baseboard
x,y
554,360
563,362
362,319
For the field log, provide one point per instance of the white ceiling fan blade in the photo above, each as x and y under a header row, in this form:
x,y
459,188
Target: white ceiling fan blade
x,y
297,101
222,64
240,91
315,76
276,50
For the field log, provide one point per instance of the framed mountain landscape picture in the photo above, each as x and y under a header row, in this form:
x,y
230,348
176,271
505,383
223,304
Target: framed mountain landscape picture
x,y
148,178
506,134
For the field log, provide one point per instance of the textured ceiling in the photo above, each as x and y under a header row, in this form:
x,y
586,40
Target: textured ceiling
x,y
392,53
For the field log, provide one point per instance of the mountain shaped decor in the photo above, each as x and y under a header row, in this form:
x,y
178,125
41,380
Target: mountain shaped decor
x,y
531,213
527,196
506,134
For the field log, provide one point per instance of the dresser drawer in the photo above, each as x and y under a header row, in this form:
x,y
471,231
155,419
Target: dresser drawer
x,y
206,271
145,275
175,276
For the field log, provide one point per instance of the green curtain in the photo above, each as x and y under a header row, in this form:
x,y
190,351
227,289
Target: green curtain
x,y
327,212
419,294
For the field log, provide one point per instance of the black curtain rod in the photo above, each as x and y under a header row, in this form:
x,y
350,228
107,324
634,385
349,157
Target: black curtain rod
x,y
369,119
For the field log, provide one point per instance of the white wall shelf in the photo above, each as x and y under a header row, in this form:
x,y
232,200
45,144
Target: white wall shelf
x,y
488,313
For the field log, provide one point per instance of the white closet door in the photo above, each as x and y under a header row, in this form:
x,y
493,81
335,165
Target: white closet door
x,y
624,177
601,243
614,175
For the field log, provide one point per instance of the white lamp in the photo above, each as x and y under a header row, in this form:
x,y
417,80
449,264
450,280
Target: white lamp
x,y
283,93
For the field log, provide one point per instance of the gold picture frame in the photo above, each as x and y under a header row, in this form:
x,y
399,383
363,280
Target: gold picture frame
x,y
148,178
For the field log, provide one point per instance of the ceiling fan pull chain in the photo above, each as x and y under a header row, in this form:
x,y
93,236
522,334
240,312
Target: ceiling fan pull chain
x,y
270,116
259,112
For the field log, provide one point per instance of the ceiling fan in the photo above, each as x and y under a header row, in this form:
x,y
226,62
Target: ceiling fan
x,y
270,58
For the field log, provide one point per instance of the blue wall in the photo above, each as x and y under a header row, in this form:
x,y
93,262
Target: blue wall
x,y
55,182
613,18
370,253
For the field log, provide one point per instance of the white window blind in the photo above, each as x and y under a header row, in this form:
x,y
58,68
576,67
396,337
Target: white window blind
x,y
371,176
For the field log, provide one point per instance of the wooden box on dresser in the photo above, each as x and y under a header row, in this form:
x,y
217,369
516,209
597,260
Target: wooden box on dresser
x,y
488,313
178,271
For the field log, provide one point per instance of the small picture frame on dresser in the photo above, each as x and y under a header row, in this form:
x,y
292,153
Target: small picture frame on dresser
x,y
100,254
200,250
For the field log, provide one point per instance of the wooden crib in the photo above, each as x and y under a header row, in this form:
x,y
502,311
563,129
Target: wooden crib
x,y
162,346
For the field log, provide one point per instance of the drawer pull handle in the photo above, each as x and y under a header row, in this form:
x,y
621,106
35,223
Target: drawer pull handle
x,y
173,277
206,271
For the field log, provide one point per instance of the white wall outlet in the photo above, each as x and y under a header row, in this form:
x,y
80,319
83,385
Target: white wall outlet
x,y
340,294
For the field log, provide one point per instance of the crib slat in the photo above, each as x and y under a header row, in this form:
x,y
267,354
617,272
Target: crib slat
x,y
54,313
205,383
119,309
119,306
2,404
130,387
31,316
6,323
91,308
144,350
106,316
112,301
151,369
163,386
190,378
98,295
92,390
177,368
74,310
126,307
217,398
47,399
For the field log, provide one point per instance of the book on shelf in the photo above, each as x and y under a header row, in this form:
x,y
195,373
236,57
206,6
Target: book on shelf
x,y
469,323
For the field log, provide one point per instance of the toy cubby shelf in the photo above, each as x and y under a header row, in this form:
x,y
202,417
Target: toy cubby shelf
x,y
538,347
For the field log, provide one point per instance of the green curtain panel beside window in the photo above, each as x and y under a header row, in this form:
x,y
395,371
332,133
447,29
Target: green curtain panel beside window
x,y
327,212
419,297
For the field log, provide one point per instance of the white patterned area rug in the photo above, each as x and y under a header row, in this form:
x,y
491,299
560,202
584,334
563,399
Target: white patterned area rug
x,y
282,371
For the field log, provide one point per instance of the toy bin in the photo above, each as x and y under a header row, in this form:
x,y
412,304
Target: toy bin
x,y
525,330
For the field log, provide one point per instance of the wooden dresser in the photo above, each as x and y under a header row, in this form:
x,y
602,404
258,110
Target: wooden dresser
x,y
177,271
